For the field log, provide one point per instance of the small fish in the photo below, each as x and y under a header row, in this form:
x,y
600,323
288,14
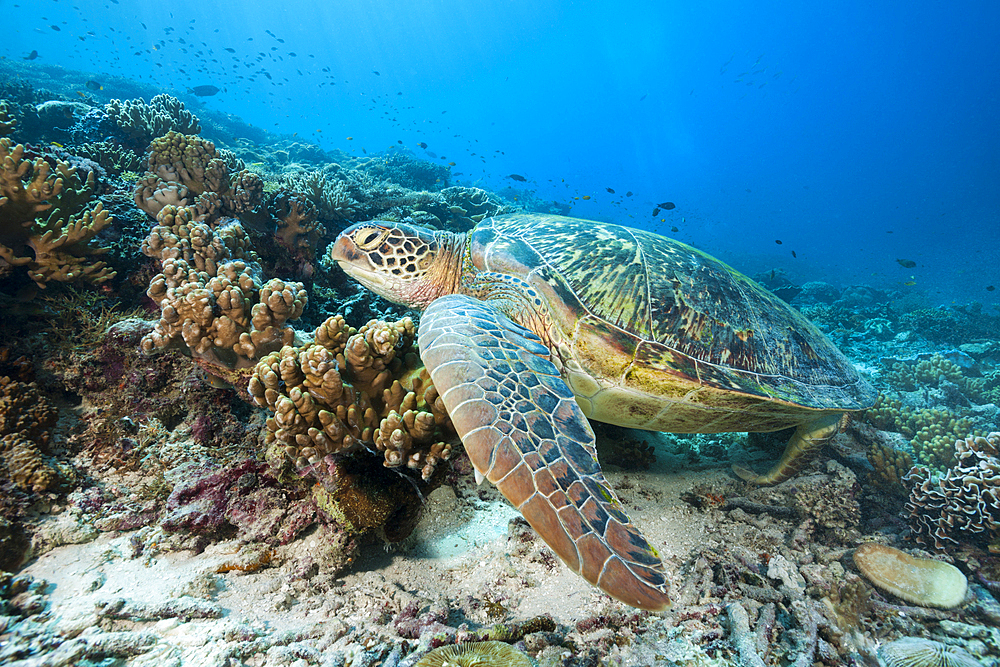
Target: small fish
x,y
586,196
990,288
906,263
56,28
56,144
350,138
422,145
517,177
778,241
910,283
793,254
610,190
230,49
674,230
375,72
656,212
399,141
31,56
628,194
94,85
451,164
643,97
667,206
205,91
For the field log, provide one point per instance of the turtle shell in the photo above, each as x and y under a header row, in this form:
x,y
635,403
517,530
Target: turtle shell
x,y
652,315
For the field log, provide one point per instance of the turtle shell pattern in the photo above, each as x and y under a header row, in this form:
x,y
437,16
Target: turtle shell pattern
x,y
666,320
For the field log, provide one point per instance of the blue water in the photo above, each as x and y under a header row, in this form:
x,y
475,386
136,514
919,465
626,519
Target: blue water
x,y
856,135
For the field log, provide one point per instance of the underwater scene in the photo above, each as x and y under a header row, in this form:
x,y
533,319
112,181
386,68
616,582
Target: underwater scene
x,y
499,333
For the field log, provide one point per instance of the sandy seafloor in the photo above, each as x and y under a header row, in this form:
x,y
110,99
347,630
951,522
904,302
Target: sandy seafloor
x,y
168,539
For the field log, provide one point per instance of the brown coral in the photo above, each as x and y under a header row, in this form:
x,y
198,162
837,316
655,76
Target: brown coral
x,y
211,300
351,389
61,244
26,419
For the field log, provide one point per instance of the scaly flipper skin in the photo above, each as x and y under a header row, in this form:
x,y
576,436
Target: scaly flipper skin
x,y
801,448
524,431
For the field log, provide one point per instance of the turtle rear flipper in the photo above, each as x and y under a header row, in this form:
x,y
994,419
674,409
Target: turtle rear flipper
x,y
523,430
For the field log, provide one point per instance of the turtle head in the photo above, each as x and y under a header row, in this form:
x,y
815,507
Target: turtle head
x,y
403,263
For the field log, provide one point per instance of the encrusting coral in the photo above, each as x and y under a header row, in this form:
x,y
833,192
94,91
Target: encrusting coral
x,y
350,389
60,243
962,504
26,419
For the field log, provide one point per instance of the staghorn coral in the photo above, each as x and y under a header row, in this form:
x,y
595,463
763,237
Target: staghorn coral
x,y
962,504
61,242
26,419
140,122
351,389
211,297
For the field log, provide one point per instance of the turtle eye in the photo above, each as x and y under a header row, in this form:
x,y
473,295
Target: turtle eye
x,y
368,238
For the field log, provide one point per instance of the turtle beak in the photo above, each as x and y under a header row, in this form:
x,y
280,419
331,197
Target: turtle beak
x,y
356,263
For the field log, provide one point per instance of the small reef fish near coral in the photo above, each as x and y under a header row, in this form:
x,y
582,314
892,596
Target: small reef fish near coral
x,y
261,348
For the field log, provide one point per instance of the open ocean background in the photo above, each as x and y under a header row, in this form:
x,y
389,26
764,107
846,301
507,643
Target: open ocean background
x,y
855,133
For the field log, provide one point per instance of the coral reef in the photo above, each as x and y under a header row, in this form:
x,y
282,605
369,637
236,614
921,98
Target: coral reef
x,y
475,654
58,246
931,431
920,652
26,421
964,503
186,170
7,122
351,389
115,159
139,123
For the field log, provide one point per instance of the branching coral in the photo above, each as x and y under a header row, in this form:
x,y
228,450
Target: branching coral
x,y
26,419
7,122
350,389
114,158
963,503
141,122
932,432
61,243
210,294
332,198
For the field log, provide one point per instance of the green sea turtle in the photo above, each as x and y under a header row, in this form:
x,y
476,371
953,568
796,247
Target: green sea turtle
x,y
532,323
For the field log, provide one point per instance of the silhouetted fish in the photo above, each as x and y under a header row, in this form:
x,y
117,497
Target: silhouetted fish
x,y
628,194
906,263
422,145
31,56
205,91
990,288
610,190
778,241
667,205
656,212
94,85
517,177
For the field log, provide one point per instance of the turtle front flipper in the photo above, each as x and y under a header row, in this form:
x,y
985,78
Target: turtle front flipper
x,y
801,448
523,431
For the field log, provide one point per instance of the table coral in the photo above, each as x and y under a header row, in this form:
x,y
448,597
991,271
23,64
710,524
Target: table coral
x,y
962,504
60,243
26,420
213,301
351,389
